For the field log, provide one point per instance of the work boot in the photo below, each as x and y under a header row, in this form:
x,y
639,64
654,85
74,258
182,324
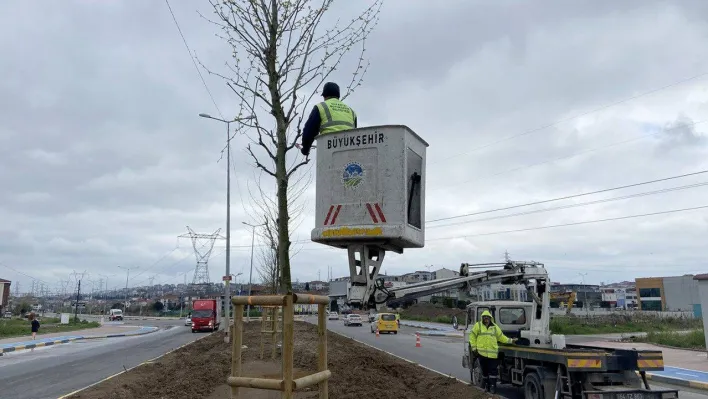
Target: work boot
x,y
485,384
493,385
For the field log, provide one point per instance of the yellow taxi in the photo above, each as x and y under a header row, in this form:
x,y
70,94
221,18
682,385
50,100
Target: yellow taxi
x,y
385,322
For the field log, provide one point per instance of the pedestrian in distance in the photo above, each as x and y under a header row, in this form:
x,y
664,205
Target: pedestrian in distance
x,y
329,116
35,325
484,340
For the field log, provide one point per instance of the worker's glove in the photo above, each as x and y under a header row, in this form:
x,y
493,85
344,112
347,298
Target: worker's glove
x,y
513,340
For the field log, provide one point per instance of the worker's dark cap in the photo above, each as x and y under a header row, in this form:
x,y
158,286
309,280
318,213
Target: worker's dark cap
x,y
330,89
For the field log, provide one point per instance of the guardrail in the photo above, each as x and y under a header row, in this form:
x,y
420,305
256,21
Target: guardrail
x,y
287,385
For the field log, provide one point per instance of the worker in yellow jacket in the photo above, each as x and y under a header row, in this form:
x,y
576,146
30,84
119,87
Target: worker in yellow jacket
x,y
484,340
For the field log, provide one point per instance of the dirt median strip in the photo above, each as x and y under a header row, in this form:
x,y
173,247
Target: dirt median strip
x,y
69,395
200,370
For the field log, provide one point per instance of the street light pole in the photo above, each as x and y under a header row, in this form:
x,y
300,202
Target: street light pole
x,y
105,293
250,274
585,294
227,275
125,306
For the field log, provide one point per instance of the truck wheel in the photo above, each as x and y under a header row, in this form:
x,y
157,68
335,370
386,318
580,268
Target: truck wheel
x,y
476,373
194,331
532,387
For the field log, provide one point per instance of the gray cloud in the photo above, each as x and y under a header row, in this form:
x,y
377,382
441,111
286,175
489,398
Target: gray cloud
x,y
104,161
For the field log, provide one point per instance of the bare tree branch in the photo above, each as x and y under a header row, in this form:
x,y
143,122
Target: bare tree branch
x,y
280,50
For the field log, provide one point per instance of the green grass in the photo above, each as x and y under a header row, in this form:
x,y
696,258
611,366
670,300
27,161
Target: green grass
x,y
611,324
615,324
19,327
692,340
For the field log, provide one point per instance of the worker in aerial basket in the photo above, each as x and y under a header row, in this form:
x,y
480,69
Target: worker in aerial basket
x,y
329,116
484,340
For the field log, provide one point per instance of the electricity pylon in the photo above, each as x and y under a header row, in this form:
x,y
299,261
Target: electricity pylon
x,y
203,245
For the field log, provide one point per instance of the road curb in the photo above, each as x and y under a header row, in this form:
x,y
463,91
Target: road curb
x,y
38,345
70,394
678,381
437,333
68,339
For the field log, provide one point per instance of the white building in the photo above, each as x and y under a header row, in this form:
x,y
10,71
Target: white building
x,y
442,274
497,291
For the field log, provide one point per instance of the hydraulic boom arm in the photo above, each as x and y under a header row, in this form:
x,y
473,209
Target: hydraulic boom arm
x,y
513,272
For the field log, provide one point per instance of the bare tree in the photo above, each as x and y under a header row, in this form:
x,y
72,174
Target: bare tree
x,y
280,51
268,258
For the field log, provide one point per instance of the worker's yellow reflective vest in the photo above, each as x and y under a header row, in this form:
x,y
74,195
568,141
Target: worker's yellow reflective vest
x,y
335,116
484,339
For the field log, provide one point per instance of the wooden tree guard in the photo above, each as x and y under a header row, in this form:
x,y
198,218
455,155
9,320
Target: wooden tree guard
x,y
287,385
269,326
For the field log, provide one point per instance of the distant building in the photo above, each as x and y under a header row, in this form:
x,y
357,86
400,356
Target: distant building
x,y
498,291
619,296
417,277
4,295
675,294
318,286
584,293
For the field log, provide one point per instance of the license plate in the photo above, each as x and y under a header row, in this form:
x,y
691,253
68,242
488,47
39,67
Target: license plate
x,y
634,395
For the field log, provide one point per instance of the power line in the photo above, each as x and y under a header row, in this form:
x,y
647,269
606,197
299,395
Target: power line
x,y
21,273
155,263
576,116
192,58
644,194
568,197
571,224
573,155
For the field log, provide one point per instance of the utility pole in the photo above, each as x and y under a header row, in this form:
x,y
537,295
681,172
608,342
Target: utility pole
x,y
105,292
78,293
76,306
227,275
100,288
250,275
125,307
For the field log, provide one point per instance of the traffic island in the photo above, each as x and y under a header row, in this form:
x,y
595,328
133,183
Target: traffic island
x,y
15,345
201,369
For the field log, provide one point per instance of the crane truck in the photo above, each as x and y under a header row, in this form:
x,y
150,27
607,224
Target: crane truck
x,y
370,191
541,363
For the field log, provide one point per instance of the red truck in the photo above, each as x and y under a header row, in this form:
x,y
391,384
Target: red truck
x,y
206,315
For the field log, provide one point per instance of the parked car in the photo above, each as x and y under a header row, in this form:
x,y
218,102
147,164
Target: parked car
x,y
332,316
372,317
188,321
352,320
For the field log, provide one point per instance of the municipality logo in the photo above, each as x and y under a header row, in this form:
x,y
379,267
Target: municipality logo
x,y
353,174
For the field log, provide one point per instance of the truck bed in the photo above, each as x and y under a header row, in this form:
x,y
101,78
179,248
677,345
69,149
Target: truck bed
x,y
590,358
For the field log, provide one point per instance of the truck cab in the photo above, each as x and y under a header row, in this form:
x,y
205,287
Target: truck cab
x,y
511,316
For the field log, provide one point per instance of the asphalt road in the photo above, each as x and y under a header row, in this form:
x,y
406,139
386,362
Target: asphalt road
x,y
48,373
444,354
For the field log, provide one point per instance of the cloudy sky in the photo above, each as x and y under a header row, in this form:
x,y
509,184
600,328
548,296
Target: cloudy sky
x,y
104,161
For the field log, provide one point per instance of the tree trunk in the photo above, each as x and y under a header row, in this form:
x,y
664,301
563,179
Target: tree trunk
x,y
283,214
281,171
